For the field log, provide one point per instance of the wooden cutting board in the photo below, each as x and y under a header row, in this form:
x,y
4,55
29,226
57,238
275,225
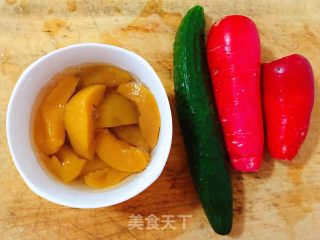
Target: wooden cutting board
x,y
282,201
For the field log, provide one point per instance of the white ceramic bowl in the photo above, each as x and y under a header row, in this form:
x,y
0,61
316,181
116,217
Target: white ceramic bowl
x,y
19,115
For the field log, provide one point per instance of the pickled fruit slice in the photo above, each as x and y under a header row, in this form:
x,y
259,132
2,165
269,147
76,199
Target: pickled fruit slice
x,y
132,135
104,178
54,165
93,165
66,165
119,154
116,110
149,120
49,127
78,119
104,74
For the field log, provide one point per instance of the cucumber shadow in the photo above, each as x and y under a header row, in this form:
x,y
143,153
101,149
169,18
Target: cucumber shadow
x,y
238,204
209,23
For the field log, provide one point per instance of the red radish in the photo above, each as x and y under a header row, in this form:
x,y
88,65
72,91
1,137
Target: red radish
x,y
288,94
233,52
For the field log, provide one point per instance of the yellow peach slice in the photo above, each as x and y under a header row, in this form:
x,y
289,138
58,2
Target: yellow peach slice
x,y
149,120
49,127
104,178
93,165
119,154
116,110
40,135
78,119
132,135
54,165
104,74
66,165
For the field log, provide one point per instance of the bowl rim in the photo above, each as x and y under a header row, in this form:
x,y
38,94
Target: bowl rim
x,y
144,184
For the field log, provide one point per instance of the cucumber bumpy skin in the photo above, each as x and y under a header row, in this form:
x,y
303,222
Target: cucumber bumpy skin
x,y
199,122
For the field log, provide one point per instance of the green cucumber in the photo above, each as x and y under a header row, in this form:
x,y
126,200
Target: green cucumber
x,y
199,122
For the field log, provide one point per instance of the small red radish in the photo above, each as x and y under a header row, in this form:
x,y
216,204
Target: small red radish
x,y
288,94
233,52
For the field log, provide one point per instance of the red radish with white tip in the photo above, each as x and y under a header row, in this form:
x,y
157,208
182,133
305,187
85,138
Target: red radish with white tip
x,y
233,52
288,94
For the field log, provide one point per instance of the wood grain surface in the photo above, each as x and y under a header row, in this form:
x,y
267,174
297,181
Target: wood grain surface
x,y
282,201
